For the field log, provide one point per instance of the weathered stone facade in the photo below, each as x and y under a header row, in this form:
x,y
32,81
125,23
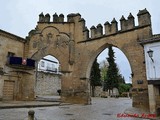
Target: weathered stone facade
x,y
16,83
71,44
98,91
47,84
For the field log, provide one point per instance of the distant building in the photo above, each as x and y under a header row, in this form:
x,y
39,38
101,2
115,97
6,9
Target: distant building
x,y
48,65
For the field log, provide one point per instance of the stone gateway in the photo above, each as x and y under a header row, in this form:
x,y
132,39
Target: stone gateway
x,y
76,47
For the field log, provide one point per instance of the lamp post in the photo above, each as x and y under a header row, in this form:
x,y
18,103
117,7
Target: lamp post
x,y
150,54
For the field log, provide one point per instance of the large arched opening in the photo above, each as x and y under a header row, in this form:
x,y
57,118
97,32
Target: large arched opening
x,y
124,73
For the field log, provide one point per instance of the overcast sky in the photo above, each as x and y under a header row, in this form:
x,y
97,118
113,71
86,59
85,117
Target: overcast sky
x,y
20,16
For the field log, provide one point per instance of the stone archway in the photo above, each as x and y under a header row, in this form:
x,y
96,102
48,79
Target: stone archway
x,y
70,43
48,75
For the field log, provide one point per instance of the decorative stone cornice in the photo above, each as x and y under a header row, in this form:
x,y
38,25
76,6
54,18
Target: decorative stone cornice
x,y
154,38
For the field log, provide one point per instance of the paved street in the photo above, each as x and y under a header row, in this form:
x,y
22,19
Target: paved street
x,y
101,109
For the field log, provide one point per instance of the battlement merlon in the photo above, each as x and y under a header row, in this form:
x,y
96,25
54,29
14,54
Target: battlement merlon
x,y
96,31
85,34
144,17
127,24
111,28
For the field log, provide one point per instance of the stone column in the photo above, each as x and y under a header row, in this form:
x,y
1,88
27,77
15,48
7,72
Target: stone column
x,y
152,101
1,87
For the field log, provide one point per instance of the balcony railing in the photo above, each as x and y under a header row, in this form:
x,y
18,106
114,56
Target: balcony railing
x,y
19,62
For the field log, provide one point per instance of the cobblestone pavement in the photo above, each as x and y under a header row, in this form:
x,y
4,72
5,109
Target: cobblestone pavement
x,y
101,109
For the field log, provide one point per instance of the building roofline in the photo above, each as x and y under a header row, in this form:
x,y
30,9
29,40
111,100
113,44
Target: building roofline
x,y
154,38
49,60
12,36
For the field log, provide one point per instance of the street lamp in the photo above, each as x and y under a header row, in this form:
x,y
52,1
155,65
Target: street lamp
x,y
150,54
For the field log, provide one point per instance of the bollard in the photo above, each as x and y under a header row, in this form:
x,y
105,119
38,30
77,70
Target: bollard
x,y
31,115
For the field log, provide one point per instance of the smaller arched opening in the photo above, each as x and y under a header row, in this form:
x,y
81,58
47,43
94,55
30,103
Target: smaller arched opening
x,y
48,78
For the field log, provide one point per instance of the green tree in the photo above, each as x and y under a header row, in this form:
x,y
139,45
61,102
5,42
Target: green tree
x,y
103,69
113,71
124,87
95,76
121,79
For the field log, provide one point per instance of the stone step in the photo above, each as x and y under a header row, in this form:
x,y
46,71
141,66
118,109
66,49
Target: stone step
x,y
48,99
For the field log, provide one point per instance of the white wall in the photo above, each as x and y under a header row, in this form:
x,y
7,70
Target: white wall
x,y
48,65
152,67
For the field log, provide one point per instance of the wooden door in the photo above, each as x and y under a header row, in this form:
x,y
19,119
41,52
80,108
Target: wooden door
x,y
8,90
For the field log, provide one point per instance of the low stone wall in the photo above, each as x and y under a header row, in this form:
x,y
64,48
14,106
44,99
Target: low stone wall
x,y
47,84
98,90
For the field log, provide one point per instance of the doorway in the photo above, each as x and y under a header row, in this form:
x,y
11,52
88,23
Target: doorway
x,y
8,90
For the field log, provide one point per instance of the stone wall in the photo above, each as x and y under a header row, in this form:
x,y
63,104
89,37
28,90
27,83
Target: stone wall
x,y
76,49
47,84
22,78
98,91
71,44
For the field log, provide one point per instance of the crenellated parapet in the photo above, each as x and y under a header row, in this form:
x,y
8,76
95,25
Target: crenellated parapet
x,y
46,18
73,17
144,19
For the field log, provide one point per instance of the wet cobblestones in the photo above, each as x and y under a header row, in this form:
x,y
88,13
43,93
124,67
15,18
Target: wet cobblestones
x,y
101,109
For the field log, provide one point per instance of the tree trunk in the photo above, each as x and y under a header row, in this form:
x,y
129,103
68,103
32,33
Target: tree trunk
x,y
93,91
109,92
